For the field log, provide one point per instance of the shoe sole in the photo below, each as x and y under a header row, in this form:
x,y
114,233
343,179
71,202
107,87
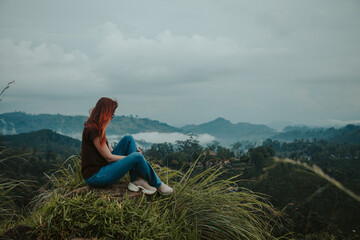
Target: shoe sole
x,y
132,187
166,193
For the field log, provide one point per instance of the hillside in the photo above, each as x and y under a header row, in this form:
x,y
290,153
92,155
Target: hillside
x,y
228,132
347,134
123,125
20,122
44,141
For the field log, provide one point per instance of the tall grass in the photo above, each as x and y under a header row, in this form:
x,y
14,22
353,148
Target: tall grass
x,y
201,207
8,187
318,171
64,180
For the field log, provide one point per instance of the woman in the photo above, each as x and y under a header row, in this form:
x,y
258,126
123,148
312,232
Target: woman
x,y
102,166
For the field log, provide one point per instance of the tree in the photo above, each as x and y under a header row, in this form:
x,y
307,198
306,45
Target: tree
x,y
160,151
258,155
213,145
235,148
224,153
191,147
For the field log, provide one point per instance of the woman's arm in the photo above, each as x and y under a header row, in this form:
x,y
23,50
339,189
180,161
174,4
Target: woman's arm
x,y
108,144
105,151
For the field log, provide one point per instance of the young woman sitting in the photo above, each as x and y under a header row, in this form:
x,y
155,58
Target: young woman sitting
x,y
102,166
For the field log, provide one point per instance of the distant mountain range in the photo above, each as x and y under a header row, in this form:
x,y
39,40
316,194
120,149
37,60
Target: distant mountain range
x,y
20,122
223,130
227,132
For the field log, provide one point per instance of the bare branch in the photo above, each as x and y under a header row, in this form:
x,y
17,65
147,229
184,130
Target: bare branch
x,y
7,86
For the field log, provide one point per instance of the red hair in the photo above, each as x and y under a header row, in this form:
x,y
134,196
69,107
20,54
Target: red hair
x,y
101,115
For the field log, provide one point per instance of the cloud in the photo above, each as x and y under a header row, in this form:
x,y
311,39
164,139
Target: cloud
x,y
244,61
45,69
165,58
169,59
164,61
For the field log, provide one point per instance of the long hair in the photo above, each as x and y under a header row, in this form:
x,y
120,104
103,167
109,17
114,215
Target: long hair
x,y
101,115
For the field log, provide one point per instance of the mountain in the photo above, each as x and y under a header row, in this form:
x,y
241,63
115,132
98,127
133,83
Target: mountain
x,y
123,125
223,130
20,122
279,125
227,132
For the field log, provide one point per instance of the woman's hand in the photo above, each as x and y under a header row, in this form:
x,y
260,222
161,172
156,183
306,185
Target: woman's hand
x,y
108,145
139,150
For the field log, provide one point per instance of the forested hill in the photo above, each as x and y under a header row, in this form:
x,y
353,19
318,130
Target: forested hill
x,y
44,141
20,122
348,134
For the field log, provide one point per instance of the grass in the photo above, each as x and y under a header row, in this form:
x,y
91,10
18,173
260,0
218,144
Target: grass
x,y
9,213
318,171
201,207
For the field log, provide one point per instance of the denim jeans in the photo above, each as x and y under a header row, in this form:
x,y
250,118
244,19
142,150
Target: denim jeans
x,y
134,162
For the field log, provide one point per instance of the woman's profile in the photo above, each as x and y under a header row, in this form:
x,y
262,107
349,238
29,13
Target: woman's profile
x,y
102,166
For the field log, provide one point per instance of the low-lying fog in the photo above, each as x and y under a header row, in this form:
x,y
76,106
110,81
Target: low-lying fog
x,y
157,137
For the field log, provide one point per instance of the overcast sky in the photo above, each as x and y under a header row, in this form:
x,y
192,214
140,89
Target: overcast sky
x,y
184,61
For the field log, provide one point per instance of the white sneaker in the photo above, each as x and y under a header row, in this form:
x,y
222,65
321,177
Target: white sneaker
x,y
165,189
141,184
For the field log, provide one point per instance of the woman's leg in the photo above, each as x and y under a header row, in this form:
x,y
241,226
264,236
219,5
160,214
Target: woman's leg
x,y
125,147
111,173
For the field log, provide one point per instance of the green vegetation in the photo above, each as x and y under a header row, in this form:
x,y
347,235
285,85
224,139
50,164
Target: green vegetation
x,y
349,134
23,168
44,143
202,207
313,205
314,200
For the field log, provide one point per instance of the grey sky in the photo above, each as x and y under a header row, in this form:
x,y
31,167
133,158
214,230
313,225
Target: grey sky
x,y
184,61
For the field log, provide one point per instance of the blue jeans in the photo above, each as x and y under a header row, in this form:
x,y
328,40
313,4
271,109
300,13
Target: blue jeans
x,y
134,162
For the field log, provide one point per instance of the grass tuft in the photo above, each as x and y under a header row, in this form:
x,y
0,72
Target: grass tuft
x,y
317,170
201,207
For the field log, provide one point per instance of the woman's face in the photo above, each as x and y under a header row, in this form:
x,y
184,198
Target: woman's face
x,y
107,123
110,120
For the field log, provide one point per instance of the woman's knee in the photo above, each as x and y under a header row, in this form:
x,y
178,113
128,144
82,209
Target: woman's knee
x,y
129,138
137,156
